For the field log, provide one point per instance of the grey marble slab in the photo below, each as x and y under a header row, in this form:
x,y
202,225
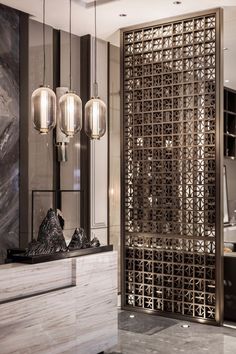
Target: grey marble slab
x,y
9,129
196,339
148,327
97,321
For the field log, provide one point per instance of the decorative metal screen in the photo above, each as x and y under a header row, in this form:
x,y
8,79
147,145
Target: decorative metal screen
x,y
169,202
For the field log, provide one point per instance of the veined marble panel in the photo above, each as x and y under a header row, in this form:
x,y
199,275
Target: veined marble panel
x,y
96,279
42,325
81,319
9,129
17,280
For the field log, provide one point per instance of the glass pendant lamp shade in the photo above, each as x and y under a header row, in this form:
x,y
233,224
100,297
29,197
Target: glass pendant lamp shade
x,y
43,106
95,109
70,104
71,114
43,99
95,118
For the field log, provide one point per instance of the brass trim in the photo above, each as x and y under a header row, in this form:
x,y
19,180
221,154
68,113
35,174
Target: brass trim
x,y
219,169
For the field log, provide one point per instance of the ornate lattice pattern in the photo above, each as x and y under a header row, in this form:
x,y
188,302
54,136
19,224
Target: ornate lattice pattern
x,y
170,170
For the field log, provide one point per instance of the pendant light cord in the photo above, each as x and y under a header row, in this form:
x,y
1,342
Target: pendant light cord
x,y
95,32
44,44
95,49
70,48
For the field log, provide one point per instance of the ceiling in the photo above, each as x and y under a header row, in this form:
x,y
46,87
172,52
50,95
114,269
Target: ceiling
x,y
138,11
108,11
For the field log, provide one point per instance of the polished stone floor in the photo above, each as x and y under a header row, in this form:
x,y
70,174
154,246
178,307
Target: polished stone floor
x,y
141,334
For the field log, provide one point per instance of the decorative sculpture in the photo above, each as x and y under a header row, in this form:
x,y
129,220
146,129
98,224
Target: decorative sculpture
x,y
95,242
50,237
79,240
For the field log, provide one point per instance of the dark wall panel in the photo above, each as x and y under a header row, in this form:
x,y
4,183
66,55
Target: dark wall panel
x,y
40,148
9,129
171,166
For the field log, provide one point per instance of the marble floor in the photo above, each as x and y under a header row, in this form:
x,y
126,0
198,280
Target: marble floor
x,y
141,334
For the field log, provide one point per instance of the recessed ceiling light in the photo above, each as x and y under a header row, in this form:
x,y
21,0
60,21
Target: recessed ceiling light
x,y
122,15
185,325
131,316
226,80
177,2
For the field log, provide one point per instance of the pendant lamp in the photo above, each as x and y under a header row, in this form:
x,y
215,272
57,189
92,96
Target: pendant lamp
x,y
70,106
95,108
43,100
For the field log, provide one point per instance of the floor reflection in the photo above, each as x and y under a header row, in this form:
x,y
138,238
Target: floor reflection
x,y
140,333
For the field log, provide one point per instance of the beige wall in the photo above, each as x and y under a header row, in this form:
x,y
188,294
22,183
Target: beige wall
x,y
99,153
70,170
114,137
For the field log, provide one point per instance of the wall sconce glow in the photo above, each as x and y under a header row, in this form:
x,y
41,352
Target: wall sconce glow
x,y
95,118
43,106
71,114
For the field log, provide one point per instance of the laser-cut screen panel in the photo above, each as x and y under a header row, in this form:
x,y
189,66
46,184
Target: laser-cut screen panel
x,y
169,201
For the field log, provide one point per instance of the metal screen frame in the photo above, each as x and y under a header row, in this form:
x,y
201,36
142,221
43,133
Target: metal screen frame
x,y
219,293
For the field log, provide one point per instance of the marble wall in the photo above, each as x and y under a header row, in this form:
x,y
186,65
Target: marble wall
x,y
9,129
